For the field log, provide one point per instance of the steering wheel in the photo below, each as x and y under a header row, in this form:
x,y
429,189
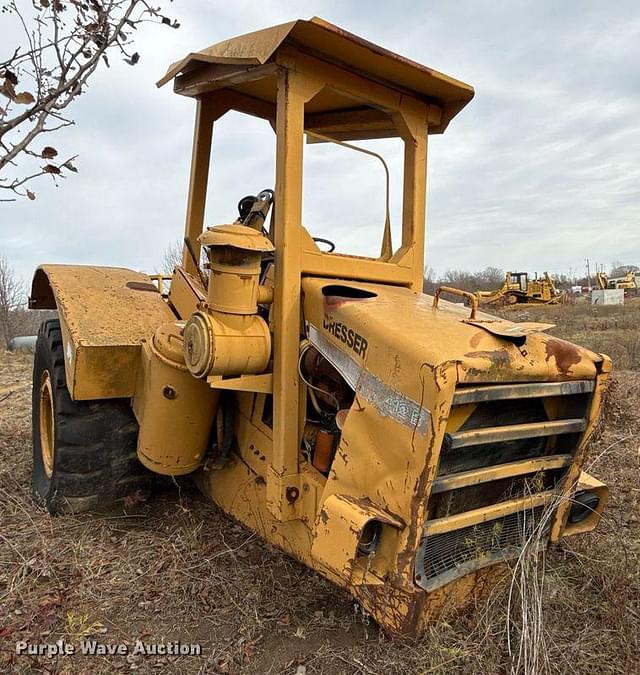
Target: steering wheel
x,y
328,242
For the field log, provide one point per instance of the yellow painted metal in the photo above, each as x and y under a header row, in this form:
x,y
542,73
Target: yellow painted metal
x,y
185,293
206,113
499,471
332,43
602,280
159,280
175,412
443,335
47,423
470,297
412,121
340,528
498,510
226,337
226,344
105,314
629,281
502,392
293,91
575,470
512,432
411,357
258,383
235,252
587,482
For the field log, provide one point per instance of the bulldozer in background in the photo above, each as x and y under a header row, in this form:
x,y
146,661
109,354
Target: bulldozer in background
x,y
402,446
517,288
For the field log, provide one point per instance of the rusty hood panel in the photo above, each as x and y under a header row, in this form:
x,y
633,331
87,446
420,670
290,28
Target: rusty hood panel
x,y
403,332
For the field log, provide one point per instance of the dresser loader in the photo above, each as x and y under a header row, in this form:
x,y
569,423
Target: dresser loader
x,y
403,446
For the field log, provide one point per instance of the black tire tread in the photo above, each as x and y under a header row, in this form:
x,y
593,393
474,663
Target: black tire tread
x,y
95,461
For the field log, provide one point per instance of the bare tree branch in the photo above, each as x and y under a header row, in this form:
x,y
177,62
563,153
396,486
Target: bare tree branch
x,y
12,296
64,42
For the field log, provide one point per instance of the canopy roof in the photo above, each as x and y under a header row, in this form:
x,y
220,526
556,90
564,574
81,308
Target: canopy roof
x,y
350,52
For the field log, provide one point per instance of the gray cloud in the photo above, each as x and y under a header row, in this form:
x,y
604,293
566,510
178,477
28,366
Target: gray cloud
x,y
540,171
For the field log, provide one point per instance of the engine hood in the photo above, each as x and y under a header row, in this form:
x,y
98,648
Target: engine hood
x,y
394,332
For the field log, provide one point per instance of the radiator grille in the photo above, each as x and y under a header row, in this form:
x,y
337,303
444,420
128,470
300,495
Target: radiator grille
x,y
445,557
516,440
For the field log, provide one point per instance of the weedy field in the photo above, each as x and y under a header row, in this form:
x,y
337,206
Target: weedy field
x,y
175,568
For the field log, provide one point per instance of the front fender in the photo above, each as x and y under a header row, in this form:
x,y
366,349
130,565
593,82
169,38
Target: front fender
x,y
105,315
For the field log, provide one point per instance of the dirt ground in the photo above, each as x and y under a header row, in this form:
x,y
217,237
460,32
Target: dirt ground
x,y
176,569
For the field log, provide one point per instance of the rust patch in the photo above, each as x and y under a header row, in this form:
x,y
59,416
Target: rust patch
x,y
394,608
498,357
475,339
343,456
292,494
564,353
142,286
333,302
366,504
336,295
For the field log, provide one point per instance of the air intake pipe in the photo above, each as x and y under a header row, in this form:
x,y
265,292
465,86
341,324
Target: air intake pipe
x,y
226,336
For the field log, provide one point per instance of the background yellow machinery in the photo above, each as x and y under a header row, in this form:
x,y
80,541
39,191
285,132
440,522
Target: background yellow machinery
x,y
517,288
403,446
629,281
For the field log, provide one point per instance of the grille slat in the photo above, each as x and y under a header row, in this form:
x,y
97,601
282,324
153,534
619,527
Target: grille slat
x,y
501,392
449,555
460,479
514,432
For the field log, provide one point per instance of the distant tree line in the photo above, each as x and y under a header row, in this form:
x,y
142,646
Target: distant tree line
x,y
491,278
48,61
15,318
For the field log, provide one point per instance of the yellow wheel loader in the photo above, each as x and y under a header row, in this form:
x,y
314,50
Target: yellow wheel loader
x,y
405,447
517,288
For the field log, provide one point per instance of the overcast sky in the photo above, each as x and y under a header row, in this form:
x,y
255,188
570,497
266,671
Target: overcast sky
x,y
538,172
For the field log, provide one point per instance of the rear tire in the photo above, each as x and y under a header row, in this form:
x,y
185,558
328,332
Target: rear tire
x,y
84,452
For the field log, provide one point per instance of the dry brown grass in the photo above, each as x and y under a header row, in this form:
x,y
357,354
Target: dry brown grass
x,y
177,568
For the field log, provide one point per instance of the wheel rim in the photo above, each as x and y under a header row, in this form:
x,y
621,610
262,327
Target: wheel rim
x,y
47,423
